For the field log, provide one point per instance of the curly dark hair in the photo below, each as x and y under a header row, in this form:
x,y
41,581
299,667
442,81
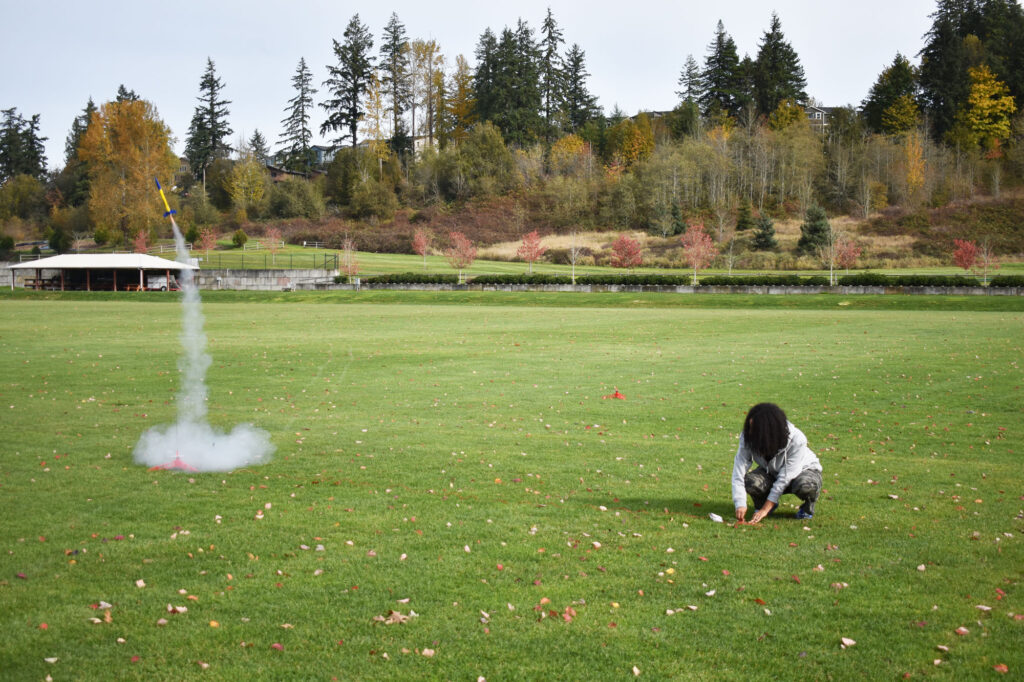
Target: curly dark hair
x,y
765,430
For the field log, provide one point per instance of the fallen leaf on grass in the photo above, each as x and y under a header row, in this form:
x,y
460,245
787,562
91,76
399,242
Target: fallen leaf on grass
x,y
1001,668
962,631
394,617
429,653
636,671
177,609
982,607
845,642
51,660
276,645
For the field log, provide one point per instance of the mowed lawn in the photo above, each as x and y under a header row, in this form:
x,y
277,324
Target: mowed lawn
x,y
460,465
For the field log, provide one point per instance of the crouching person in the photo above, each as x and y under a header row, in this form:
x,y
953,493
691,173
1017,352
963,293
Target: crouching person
x,y
785,465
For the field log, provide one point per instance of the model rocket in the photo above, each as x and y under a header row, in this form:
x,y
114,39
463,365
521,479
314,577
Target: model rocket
x,y
166,206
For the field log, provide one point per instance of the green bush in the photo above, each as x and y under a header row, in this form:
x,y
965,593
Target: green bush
x,y
765,280
411,278
875,279
523,278
239,238
1007,281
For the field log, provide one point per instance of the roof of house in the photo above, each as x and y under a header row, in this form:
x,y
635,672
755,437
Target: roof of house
x,y
103,261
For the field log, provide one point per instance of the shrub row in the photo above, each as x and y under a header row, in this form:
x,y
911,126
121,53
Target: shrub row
x,y
523,279
874,279
1007,281
412,278
634,280
764,280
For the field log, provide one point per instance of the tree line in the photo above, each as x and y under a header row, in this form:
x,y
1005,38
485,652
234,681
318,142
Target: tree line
x,y
523,121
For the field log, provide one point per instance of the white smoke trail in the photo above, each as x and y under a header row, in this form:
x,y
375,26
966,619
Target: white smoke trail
x,y
192,443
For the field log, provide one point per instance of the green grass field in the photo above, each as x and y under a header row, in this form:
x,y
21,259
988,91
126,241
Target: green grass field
x,y
453,455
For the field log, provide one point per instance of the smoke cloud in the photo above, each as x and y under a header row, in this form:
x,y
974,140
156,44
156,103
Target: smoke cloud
x,y
192,443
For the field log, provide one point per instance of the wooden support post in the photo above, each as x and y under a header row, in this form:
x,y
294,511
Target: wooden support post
x,y
88,279
62,279
115,280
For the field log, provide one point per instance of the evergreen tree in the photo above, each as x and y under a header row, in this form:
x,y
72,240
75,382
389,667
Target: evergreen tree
x,y
777,74
814,231
523,92
75,181
208,131
722,79
396,80
348,82
484,78
296,137
690,81
744,217
895,82
21,148
258,146
552,74
943,77
126,95
578,105
764,236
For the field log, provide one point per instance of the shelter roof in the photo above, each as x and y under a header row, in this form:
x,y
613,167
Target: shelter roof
x,y
103,261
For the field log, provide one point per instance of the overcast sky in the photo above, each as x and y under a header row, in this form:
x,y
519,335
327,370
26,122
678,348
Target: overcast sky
x,y
56,54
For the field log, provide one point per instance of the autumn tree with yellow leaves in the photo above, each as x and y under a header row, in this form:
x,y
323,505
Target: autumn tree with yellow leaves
x,y
126,146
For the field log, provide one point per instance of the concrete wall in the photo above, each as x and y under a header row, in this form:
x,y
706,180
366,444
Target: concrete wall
x,y
263,280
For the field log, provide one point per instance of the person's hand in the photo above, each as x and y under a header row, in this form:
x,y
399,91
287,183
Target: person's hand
x,y
762,512
741,514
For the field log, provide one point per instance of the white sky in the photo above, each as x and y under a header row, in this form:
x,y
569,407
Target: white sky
x,y
58,53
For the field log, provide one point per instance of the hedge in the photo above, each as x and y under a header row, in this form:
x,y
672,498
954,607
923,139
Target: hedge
x,y
1007,281
875,279
765,280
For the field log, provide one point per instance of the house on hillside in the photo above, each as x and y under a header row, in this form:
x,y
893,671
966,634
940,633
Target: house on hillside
x,y
818,117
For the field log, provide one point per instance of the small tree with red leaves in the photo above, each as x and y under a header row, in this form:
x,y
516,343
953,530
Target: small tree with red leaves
x,y
421,244
847,252
208,240
626,252
274,240
461,253
966,253
531,250
141,242
698,248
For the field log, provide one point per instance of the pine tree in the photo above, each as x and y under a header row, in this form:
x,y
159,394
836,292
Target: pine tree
x,y
348,82
552,74
485,76
744,217
76,172
764,236
209,131
523,122
690,81
814,232
778,75
258,147
721,79
21,147
126,95
296,138
578,105
396,80
895,82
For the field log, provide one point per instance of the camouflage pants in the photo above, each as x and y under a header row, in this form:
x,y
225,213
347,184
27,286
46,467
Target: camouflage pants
x,y
806,486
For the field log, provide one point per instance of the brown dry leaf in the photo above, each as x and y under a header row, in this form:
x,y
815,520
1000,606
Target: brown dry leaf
x,y
107,618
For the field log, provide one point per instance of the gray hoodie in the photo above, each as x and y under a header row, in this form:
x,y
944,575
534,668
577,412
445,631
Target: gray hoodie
x,y
783,467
